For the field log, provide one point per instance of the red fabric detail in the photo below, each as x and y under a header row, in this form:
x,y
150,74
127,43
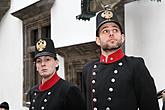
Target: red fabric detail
x,y
49,83
112,57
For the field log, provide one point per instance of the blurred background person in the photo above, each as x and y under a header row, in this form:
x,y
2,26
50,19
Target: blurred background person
x,y
4,106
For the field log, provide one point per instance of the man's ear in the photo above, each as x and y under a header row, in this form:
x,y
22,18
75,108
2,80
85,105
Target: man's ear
x,y
57,63
98,40
123,38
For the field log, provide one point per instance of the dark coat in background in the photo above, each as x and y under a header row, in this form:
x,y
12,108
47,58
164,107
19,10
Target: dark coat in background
x,y
163,108
62,96
123,85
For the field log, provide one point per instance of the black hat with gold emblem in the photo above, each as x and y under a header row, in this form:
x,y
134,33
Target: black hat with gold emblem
x,y
105,16
44,47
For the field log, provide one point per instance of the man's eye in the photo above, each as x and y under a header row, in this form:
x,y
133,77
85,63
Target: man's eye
x,y
115,30
38,61
105,31
47,59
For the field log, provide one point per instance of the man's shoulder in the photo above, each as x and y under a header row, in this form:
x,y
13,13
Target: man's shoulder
x,y
134,58
134,61
66,83
92,62
66,86
35,88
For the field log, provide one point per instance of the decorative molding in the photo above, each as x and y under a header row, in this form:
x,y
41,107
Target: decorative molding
x,y
89,8
4,7
34,9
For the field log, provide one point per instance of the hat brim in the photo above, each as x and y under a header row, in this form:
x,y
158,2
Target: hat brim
x,y
108,21
44,54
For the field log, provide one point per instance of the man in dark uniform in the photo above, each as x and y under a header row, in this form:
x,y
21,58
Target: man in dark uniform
x,y
163,98
162,95
116,81
53,93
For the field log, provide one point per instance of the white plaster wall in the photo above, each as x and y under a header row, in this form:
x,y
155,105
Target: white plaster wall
x,y
61,71
11,57
144,24
66,30
11,61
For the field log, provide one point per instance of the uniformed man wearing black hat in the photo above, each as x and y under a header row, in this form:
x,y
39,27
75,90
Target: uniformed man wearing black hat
x,y
161,94
4,106
116,81
163,98
53,93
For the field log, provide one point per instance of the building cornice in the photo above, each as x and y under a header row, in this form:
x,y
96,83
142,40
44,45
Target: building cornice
x,y
4,6
34,9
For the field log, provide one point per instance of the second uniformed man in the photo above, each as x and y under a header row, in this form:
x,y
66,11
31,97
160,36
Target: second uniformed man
x,y
116,81
53,93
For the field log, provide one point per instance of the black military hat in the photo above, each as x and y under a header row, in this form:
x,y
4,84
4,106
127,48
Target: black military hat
x,y
4,105
44,47
105,16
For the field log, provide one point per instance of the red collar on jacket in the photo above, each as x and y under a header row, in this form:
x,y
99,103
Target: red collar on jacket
x,y
112,57
49,83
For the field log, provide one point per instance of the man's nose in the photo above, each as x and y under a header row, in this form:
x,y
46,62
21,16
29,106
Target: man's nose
x,y
111,33
43,62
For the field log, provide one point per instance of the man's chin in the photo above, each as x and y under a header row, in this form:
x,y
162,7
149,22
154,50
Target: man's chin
x,y
44,75
111,49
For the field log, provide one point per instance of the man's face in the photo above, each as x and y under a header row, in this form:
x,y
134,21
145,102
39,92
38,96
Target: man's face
x,y
2,109
110,37
46,66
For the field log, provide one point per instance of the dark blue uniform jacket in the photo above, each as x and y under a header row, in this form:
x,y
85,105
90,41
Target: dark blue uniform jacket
x,y
122,85
62,96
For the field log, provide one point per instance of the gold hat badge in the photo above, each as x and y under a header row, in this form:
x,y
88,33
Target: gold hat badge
x,y
41,45
107,14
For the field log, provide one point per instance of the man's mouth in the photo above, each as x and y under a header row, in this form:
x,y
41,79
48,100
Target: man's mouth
x,y
44,70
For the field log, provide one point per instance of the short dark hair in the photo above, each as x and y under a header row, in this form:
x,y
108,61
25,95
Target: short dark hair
x,y
4,105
